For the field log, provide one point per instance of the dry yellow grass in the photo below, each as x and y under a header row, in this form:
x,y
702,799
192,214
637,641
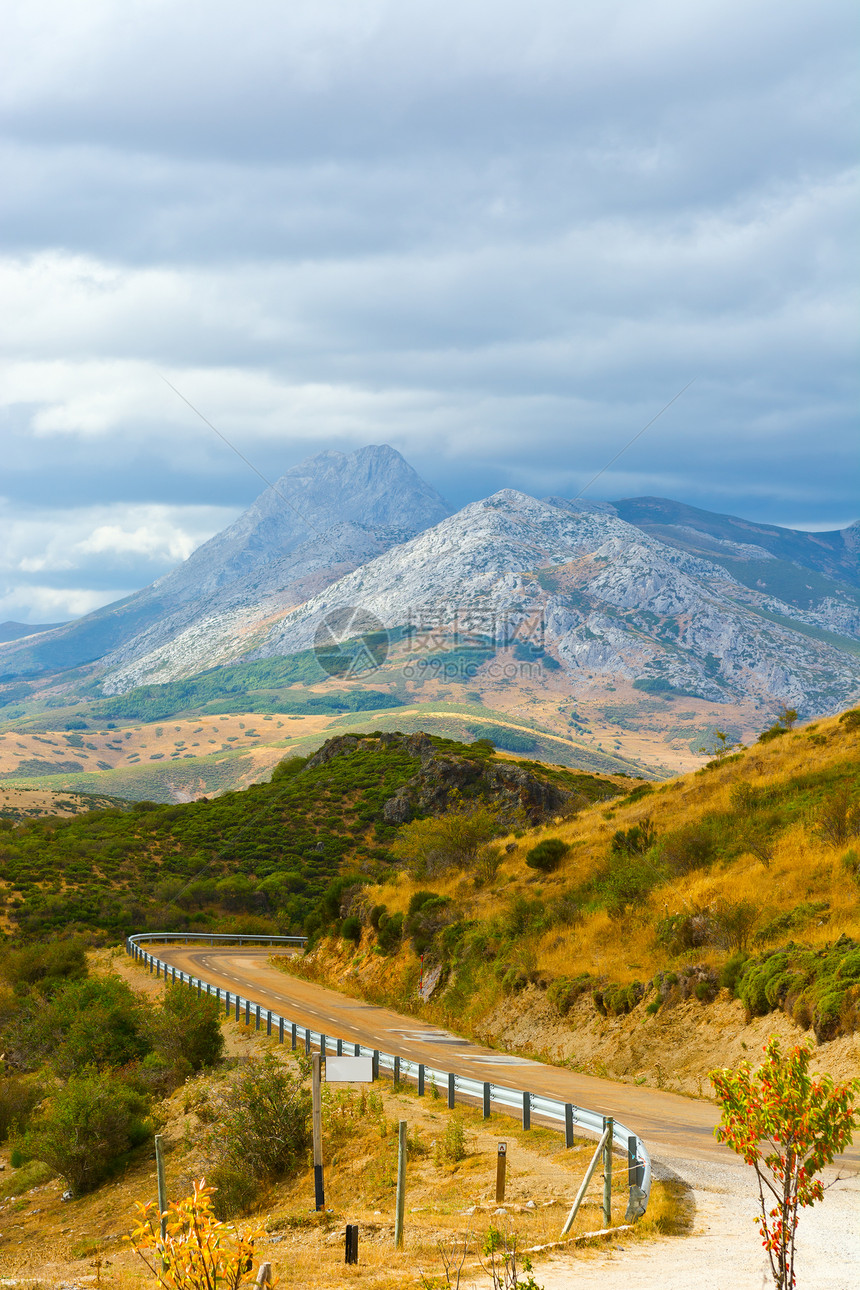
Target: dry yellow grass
x,y
60,1243
803,866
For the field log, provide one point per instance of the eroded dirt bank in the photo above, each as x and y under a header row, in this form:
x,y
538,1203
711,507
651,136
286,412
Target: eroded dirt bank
x,y
674,1049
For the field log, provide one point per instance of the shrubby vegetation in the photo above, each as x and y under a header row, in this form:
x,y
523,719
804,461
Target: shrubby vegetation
x,y
83,1057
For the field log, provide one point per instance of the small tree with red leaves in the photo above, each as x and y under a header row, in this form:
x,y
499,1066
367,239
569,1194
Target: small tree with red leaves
x,y
788,1125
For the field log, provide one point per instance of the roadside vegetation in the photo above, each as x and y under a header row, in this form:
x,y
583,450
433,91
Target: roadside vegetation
x,y
744,876
240,1116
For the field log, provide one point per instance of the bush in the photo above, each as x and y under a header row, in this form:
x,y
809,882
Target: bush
x,y
451,1147
850,719
186,1030
688,848
44,966
350,929
390,932
564,992
88,1124
264,1131
19,1095
93,1022
547,855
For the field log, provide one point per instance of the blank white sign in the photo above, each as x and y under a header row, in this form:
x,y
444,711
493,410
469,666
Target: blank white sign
x,y
349,1070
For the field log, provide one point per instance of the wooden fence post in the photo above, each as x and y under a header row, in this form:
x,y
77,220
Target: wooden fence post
x,y
608,1125
401,1185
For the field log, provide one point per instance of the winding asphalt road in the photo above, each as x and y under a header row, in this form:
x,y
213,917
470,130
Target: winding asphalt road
x,y
669,1125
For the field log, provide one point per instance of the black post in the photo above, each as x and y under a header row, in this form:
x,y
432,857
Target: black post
x,y
420,1079
340,1048
357,1050
527,1110
307,1041
323,1044
486,1100
396,1070
227,1002
568,1124
452,1090
293,1036
351,1243
247,1012
257,1017
375,1066
238,1008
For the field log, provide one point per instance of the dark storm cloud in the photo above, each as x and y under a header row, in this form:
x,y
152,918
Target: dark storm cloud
x,y
498,236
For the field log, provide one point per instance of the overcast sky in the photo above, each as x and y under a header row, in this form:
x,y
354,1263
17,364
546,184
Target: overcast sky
x,y
497,234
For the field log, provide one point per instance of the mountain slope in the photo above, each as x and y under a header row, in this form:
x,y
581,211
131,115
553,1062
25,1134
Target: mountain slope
x,y
322,519
604,597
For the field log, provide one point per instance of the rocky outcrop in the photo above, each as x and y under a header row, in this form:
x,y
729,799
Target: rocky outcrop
x,y
445,778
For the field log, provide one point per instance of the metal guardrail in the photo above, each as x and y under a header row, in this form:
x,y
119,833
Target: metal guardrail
x,y
515,1101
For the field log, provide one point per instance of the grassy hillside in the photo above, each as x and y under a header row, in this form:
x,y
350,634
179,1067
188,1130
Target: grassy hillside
x,y
271,857
744,875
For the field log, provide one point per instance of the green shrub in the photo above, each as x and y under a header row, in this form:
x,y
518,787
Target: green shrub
x,y
691,847
850,719
451,1147
19,1095
547,855
390,932
350,929
44,966
86,1126
732,970
264,1131
186,1030
95,1022
564,992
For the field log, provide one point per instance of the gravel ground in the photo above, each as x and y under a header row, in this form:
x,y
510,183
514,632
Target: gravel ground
x,y
724,1250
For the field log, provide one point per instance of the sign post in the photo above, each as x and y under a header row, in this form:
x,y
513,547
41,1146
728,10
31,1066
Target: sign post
x,y
501,1166
319,1190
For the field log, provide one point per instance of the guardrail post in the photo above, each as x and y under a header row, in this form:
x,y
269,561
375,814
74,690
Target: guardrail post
x,y
527,1110
323,1046
340,1048
173,976
452,1090
568,1124
307,1041
635,1166
486,1100
226,1003
608,1125
199,987
257,1017
396,1076
357,1050
420,1079
238,1008
375,1065
247,1012
294,1034
269,1021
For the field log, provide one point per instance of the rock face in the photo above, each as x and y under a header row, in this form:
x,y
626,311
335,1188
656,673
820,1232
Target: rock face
x,y
444,777
322,519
